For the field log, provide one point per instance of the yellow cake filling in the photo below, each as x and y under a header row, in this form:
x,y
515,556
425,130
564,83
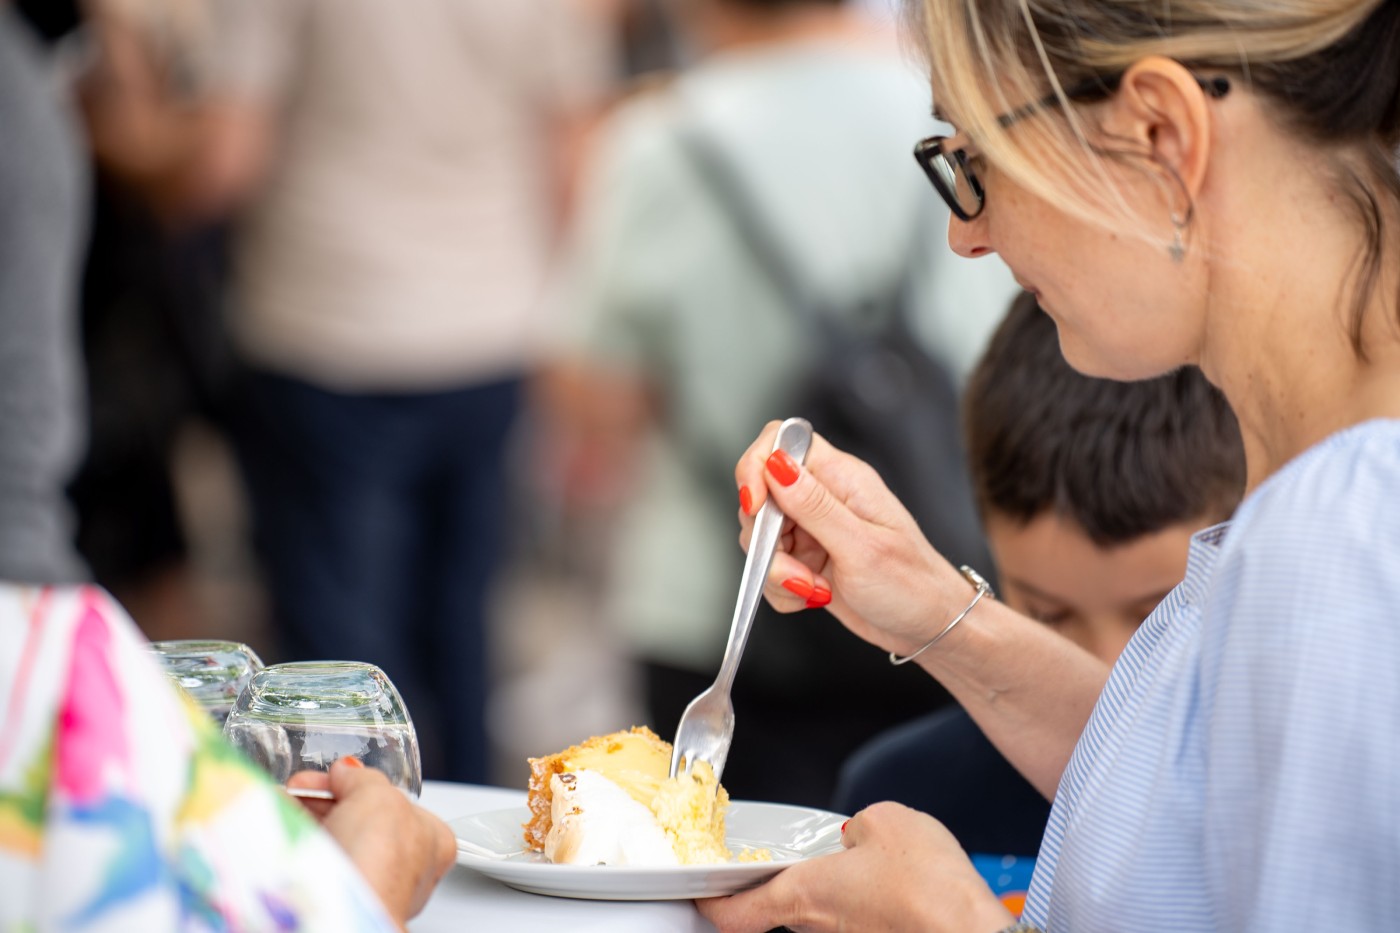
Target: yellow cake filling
x,y
636,761
690,808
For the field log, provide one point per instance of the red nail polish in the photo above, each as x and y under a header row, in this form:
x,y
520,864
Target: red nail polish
x,y
783,467
820,597
798,587
746,500
350,762
843,827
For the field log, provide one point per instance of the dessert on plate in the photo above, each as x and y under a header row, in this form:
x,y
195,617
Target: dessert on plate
x,y
610,801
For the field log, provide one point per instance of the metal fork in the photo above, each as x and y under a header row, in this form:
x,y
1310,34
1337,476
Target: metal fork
x,y
310,793
707,726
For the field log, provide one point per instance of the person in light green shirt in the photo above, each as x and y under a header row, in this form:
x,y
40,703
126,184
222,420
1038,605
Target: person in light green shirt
x,y
675,337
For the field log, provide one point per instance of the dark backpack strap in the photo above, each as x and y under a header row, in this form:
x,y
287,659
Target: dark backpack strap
x,y
731,192
723,181
891,307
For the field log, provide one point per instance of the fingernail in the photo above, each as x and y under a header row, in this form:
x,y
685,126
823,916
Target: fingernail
x,y
350,762
820,597
783,467
746,500
843,827
798,587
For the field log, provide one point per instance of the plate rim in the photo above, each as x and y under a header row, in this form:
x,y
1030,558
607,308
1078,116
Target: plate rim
x,y
691,881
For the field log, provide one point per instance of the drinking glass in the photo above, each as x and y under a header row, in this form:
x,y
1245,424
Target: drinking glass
x,y
306,715
213,673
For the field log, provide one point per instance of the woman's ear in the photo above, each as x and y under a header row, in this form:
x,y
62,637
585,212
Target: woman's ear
x,y
1164,111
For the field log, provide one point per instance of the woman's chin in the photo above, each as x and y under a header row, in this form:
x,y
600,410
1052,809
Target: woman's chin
x,y
1101,364
1078,355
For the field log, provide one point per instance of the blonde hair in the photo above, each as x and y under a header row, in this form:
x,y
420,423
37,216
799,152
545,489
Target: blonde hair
x,y
1319,63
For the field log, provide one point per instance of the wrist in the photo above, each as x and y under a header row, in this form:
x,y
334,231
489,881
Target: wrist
x,y
974,589
990,914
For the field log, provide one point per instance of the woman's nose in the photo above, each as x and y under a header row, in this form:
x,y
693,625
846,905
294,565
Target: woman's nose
x,y
968,238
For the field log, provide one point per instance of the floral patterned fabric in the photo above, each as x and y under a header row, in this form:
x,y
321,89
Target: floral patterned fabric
x,y
122,808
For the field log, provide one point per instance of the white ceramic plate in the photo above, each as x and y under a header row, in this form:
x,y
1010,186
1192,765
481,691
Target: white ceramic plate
x,y
492,844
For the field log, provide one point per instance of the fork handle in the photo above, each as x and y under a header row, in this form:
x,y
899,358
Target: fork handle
x,y
795,437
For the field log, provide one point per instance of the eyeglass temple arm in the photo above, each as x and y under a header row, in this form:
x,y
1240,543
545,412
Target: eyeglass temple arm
x,y
1099,87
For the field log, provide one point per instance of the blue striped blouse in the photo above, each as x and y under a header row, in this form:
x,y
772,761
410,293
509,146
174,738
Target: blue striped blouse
x,y
1242,769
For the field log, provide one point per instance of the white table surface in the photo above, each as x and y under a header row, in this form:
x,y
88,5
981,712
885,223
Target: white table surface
x,y
466,901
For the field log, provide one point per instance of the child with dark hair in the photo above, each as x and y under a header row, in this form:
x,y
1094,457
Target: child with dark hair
x,y
1089,491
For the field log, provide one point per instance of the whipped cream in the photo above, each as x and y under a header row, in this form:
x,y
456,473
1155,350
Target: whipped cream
x,y
596,822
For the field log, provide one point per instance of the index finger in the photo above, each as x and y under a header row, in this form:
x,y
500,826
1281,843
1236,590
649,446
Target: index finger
x,y
350,774
813,495
749,471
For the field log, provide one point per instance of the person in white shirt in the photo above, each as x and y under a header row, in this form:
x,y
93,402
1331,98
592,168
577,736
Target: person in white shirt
x,y
394,177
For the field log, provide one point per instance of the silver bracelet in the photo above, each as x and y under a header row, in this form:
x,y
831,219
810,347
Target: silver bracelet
x,y
983,589
1021,926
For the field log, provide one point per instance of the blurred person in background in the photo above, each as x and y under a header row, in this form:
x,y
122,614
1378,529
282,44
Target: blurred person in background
x,y
121,807
152,341
396,175
385,270
677,345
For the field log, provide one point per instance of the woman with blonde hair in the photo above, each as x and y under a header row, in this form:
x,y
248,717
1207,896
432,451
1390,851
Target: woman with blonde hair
x,y
1227,171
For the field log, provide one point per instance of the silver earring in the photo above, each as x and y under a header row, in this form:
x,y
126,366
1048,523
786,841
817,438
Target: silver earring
x,y
1177,249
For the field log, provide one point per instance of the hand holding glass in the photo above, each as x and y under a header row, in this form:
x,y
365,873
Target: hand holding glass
x,y
306,715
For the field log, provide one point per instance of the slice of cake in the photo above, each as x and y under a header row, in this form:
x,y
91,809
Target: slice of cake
x,y
609,801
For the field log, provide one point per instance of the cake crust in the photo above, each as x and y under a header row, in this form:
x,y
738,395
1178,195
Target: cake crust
x,y
540,798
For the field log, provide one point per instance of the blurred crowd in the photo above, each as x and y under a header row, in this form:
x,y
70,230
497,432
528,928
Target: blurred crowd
x,y
411,334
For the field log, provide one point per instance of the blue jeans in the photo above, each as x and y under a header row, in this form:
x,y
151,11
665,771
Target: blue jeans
x,y
379,520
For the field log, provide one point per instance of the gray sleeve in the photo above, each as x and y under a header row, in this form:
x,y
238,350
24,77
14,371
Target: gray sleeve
x,y
42,210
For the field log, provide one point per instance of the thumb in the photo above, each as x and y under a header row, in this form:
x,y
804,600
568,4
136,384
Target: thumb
x,y
754,911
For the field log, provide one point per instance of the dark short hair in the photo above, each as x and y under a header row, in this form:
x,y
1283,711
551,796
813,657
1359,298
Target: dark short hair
x,y
1122,459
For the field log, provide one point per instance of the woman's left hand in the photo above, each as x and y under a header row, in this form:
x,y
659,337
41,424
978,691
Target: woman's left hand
x,y
901,870
400,848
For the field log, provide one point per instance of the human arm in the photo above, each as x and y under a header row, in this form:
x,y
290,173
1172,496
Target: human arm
x,y
572,81
900,870
41,249
1030,690
604,386
192,154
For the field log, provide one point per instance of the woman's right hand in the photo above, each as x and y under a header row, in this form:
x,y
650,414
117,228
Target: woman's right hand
x,y
848,541
400,848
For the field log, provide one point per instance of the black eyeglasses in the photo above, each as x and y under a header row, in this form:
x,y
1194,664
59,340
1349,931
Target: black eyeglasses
x,y
951,170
